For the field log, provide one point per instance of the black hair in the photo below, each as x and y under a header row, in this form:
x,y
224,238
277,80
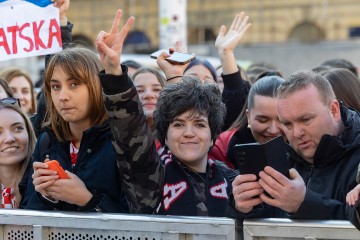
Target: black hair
x,y
206,64
132,64
189,95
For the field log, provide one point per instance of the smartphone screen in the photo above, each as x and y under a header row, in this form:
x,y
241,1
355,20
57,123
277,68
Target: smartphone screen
x,y
176,57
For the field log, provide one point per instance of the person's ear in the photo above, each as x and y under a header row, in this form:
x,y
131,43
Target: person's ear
x,y
335,110
165,142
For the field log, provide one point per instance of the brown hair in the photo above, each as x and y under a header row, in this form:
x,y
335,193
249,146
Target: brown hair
x,y
10,73
160,77
82,64
6,87
345,85
30,148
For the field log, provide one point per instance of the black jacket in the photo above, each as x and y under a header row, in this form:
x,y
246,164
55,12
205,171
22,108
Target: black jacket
x,y
328,180
96,167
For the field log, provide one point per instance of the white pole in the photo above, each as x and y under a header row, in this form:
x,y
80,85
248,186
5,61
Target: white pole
x,y
172,23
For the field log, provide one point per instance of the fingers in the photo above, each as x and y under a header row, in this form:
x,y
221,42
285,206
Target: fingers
x,y
237,21
240,23
43,182
126,28
37,165
179,47
353,196
222,31
116,22
246,190
293,173
272,181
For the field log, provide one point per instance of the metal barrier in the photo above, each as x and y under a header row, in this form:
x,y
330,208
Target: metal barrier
x,y
26,225
42,225
278,228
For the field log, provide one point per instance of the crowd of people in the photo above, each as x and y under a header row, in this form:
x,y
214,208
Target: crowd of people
x,y
160,140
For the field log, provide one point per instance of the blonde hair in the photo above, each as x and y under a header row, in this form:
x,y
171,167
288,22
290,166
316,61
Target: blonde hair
x,y
81,64
30,148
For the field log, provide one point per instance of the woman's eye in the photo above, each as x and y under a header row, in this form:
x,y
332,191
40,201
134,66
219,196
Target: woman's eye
x,y
157,90
73,85
18,129
177,124
54,87
262,120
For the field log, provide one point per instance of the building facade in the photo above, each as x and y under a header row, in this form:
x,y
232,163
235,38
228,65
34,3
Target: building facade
x,y
274,21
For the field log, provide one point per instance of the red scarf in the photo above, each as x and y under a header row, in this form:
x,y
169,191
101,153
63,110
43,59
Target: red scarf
x,y
8,197
73,154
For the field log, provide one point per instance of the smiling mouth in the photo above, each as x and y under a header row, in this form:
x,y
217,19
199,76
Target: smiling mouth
x,y
10,150
189,143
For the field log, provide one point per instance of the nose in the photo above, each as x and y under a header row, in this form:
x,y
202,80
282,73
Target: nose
x,y
274,128
8,137
63,95
298,131
188,132
148,94
18,95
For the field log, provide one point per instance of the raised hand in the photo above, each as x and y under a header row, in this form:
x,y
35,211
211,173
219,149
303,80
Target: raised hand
x,y
109,45
63,6
227,41
171,70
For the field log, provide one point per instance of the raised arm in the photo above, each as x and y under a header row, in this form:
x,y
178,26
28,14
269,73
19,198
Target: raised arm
x,y
138,162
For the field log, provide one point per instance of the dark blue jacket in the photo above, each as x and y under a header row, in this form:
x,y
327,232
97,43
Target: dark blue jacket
x,y
96,167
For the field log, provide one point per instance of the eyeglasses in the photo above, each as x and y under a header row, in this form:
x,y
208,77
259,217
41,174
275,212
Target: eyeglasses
x,y
10,100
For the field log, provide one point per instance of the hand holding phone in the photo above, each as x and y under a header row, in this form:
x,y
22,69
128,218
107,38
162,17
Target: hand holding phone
x,y
55,165
176,57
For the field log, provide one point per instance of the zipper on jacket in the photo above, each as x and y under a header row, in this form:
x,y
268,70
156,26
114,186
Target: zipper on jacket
x,y
308,181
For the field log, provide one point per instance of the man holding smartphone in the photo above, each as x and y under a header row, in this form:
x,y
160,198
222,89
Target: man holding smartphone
x,y
324,152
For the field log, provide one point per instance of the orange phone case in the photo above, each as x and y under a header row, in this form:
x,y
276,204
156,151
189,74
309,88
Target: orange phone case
x,y
55,165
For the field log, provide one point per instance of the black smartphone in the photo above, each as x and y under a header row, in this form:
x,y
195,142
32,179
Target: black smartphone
x,y
176,57
254,157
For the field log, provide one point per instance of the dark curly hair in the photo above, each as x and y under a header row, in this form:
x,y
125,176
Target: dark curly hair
x,y
189,95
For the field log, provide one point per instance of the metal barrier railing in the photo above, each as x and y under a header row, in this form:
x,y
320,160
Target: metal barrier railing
x,y
278,228
44,225
38,225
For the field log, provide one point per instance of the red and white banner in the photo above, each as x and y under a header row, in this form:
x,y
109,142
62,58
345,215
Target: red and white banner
x,y
28,30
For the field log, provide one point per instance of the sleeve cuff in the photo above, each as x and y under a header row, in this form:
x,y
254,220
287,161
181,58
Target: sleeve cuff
x,y
113,84
92,205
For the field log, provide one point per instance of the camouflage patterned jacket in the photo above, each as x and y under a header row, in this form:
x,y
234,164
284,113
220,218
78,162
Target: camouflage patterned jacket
x,y
144,178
